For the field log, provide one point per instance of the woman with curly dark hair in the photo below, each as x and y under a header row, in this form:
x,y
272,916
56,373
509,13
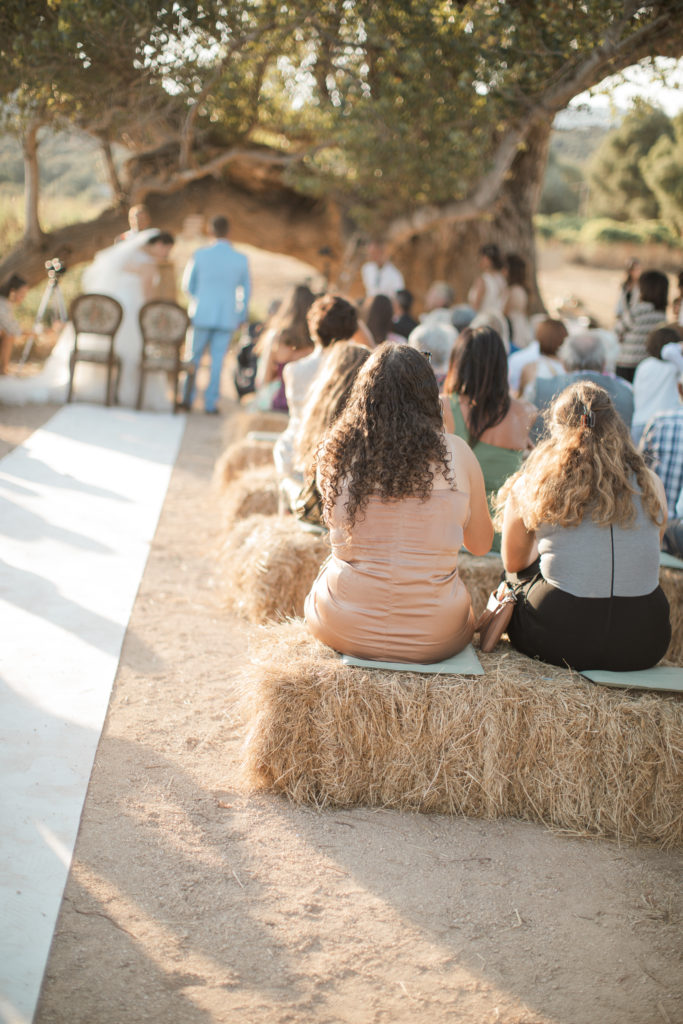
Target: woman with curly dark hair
x,y
399,497
477,407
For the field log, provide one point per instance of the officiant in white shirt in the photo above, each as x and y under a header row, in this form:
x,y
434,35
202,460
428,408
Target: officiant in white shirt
x,y
380,276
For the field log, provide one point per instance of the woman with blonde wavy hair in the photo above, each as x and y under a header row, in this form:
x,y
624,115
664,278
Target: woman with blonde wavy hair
x,y
581,528
399,497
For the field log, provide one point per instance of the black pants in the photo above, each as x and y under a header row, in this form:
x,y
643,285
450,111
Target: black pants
x,y
621,634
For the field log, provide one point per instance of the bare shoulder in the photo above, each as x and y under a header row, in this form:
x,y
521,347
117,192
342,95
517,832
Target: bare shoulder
x,y
462,458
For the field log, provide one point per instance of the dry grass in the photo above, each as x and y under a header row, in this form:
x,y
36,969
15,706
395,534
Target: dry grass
x,y
526,740
240,456
671,582
255,491
269,565
243,422
481,576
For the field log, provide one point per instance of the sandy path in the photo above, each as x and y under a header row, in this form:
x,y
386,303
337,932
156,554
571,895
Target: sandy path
x,y
191,901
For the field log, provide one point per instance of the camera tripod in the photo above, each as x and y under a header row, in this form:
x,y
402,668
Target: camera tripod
x,y
52,298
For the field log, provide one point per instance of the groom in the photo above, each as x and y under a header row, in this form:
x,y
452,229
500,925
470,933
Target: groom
x,y
213,278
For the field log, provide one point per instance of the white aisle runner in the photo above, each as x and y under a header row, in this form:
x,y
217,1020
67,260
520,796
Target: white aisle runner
x,y
79,505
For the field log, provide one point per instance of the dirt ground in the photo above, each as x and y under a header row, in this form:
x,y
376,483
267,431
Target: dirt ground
x,y
192,900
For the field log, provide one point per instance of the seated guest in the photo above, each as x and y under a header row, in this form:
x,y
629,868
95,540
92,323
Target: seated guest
x,y
662,448
399,498
284,340
327,399
672,541
655,383
648,312
331,318
551,335
377,314
581,525
435,340
12,293
583,356
438,301
404,322
478,408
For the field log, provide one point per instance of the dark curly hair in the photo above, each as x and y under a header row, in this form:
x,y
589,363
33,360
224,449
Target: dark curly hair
x,y
389,439
331,318
478,370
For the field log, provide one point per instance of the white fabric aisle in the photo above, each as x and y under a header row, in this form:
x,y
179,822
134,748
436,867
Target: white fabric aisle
x,y
79,505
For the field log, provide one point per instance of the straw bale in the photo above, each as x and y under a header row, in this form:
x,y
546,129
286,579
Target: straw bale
x,y
243,422
269,565
481,575
526,740
254,491
671,582
240,456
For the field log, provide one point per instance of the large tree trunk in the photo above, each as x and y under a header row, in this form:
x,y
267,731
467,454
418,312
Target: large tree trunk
x,y
450,251
32,229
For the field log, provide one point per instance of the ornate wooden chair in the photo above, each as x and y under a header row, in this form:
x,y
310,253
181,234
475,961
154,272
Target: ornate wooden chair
x,y
100,315
163,326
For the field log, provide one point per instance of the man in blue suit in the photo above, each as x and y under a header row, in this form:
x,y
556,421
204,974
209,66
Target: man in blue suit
x,y
217,280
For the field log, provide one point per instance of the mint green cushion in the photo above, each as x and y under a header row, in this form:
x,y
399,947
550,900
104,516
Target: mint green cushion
x,y
464,664
661,677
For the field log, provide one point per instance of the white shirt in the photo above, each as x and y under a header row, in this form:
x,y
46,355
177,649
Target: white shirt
x,y
384,280
655,384
518,360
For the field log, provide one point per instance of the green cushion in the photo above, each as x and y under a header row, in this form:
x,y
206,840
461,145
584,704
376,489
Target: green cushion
x,y
670,561
464,664
661,677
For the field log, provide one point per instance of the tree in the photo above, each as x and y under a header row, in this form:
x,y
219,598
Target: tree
x,y
661,170
427,120
617,186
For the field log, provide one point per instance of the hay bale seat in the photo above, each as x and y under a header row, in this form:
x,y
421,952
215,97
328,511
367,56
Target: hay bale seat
x,y
269,565
255,490
671,582
240,456
525,740
244,422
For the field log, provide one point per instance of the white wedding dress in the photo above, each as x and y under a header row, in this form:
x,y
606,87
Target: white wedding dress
x,y
112,272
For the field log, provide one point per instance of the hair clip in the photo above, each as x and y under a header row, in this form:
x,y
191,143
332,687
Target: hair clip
x,y
587,418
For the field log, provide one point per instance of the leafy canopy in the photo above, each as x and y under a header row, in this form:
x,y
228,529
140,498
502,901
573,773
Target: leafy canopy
x,y
388,105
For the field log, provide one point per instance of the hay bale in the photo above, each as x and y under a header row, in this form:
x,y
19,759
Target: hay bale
x,y
671,582
526,740
269,565
481,575
254,491
244,421
240,456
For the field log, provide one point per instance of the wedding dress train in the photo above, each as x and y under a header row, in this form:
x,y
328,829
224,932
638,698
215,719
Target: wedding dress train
x,y
113,273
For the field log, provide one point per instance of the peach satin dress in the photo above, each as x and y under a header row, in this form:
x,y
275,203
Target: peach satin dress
x,y
391,591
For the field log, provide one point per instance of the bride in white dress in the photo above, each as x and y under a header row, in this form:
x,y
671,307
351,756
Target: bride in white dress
x,y
127,272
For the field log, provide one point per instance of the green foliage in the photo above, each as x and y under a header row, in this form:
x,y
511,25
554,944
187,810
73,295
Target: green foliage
x,y
662,170
389,105
562,187
574,229
617,187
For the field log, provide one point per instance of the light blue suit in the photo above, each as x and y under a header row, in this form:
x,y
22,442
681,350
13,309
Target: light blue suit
x,y
212,279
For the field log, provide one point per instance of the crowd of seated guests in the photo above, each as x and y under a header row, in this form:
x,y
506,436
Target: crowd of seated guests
x,y
406,436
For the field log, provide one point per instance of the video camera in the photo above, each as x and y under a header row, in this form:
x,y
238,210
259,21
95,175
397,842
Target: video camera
x,y
55,267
